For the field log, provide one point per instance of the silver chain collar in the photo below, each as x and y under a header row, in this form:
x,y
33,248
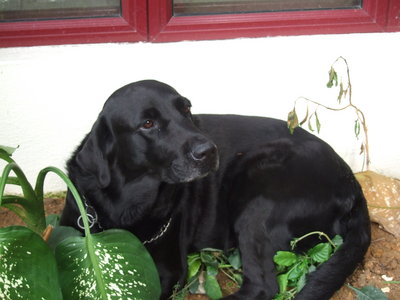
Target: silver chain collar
x,y
93,220
162,231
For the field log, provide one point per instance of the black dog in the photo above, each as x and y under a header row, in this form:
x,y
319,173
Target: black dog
x,y
183,182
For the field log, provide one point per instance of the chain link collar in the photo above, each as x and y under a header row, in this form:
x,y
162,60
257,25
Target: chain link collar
x,y
162,231
94,220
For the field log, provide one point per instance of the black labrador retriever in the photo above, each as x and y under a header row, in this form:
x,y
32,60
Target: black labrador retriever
x,y
183,182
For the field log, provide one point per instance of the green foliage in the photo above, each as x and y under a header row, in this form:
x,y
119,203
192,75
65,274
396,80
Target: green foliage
x,y
109,265
28,207
206,265
28,270
293,268
369,293
112,263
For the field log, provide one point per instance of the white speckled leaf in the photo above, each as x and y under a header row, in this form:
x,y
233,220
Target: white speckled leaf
x,y
109,265
28,268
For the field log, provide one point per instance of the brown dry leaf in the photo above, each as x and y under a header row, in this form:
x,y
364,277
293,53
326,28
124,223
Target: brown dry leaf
x,y
382,191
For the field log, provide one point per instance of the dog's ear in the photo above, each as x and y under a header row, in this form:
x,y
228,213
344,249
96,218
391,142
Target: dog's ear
x,y
93,156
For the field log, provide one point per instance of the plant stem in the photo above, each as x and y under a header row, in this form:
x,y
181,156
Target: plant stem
x,y
71,187
360,115
320,233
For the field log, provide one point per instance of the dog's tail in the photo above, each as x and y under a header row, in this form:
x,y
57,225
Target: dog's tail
x,y
330,276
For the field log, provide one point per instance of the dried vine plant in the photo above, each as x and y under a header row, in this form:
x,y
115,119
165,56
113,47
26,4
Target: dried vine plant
x,y
345,93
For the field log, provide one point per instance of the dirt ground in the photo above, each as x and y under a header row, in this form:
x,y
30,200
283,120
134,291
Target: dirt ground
x,y
381,262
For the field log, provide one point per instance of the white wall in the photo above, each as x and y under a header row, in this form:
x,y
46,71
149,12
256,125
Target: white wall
x,y
50,96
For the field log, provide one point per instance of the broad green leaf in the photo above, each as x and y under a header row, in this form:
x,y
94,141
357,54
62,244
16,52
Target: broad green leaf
x,y
298,270
369,293
53,220
238,278
60,233
112,264
211,270
212,287
194,264
28,268
285,258
282,282
320,253
208,258
279,297
193,284
292,120
235,259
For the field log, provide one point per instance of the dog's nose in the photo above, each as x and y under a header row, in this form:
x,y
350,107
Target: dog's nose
x,y
203,151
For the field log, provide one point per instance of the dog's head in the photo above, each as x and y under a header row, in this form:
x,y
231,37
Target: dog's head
x,y
146,128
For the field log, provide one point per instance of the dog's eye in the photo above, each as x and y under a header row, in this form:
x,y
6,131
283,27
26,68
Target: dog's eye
x,y
186,109
148,124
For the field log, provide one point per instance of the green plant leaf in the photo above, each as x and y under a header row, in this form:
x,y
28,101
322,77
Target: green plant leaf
x,y
8,150
309,123
341,93
112,264
212,287
238,278
59,234
317,122
337,241
357,128
333,78
301,283
292,120
212,270
235,259
282,282
285,258
369,293
193,284
208,258
30,208
53,220
298,270
320,253
28,268
194,264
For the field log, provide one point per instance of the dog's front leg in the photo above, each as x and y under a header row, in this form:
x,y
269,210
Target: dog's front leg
x,y
256,250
